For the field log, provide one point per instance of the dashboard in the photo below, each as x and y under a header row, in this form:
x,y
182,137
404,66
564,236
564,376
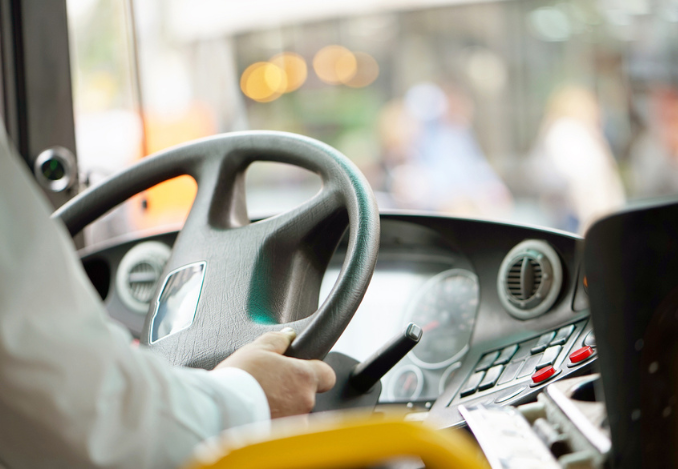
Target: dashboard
x,y
496,302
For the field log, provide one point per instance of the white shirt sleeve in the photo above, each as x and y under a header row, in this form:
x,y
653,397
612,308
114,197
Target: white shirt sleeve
x,y
73,393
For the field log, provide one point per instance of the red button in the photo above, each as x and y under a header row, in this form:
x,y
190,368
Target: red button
x,y
543,374
581,354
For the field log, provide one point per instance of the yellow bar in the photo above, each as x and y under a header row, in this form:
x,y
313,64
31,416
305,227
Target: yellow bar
x,y
344,442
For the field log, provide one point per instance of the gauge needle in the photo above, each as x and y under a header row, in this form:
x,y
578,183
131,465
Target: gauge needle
x,y
408,382
430,325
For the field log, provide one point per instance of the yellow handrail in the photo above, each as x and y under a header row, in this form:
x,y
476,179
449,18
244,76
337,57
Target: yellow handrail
x,y
345,441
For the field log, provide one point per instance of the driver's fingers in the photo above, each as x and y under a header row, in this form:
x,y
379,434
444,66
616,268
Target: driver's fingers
x,y
277,342
324,373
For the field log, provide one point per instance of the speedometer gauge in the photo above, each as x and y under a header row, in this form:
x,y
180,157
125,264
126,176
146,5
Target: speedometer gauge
x,y
445,308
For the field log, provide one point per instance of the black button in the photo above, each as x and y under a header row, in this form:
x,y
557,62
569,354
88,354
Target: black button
x,y
549,357
491,377
510,372
487,361
506,355
471,385
543,342
529,366
562,335
590,340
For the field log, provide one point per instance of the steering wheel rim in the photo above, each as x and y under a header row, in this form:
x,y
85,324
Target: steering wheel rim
x,y
273,266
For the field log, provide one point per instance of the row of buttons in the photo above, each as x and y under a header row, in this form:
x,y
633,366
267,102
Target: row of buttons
x,y
578,356
553,338
494,367
502,374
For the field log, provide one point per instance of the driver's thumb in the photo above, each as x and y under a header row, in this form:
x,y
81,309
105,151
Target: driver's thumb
x,y
277,342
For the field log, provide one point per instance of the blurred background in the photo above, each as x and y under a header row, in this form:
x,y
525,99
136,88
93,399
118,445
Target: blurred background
x,y
551,113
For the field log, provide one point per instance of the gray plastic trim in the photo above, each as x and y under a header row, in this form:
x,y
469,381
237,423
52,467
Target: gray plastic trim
x,y
552,280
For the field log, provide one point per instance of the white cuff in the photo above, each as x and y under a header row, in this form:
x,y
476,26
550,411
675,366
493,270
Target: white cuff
x,y
244,400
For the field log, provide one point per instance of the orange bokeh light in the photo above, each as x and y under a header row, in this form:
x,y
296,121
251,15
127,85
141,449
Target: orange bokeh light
x,y
294,67
263,82
335,64
367,71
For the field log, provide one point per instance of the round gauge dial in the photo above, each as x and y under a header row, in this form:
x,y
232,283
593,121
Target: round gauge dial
x,y
445,309
406,384
447,376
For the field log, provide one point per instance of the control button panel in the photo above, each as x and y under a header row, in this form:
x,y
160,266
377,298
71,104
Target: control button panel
x,y
524,362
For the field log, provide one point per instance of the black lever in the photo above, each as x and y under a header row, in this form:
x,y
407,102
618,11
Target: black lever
x,y
358,384
368,373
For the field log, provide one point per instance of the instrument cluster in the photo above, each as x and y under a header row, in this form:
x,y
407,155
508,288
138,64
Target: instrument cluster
x,y
445,307
440,297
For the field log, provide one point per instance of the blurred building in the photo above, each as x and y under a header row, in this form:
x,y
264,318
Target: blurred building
x,y
151,73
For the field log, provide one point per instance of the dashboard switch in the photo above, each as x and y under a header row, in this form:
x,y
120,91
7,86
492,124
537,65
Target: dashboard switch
x,y
487,361
510,372
506,355
562,335
523,352
543,342
543,374
472,384
581,354
491,377
529,366
549,357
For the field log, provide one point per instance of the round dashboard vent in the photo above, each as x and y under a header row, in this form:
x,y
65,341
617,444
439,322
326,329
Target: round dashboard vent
x,y
530,279
524,278
142,279
138,274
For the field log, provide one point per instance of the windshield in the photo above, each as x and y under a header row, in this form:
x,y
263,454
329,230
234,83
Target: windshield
x,y
548,113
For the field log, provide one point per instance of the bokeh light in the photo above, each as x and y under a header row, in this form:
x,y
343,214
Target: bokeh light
x,y
550,24
367,70
263,82
487,71
335,65
294,67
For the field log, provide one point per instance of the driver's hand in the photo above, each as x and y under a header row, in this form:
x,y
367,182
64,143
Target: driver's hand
x,y
290,384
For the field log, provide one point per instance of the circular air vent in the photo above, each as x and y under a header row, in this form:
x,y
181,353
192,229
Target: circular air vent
x,y
530,279
142,280
138,274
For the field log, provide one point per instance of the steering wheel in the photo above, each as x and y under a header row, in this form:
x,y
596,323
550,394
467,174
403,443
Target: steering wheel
x,y
228,280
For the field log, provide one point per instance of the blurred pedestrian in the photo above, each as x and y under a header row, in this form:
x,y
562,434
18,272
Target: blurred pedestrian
x,y
572,165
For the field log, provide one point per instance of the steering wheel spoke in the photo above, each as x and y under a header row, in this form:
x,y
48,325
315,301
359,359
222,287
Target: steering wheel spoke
x,y
302,224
